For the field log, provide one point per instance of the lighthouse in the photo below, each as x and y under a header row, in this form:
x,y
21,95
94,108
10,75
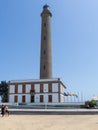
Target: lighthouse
x,y
46,47
46,89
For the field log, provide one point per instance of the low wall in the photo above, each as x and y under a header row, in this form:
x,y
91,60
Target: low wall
x,y
46,105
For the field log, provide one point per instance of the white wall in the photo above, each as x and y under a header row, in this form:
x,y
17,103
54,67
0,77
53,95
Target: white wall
x,y
19,98
62,89
20,88
45,87
62,98
11,98
37,98
37,87
55,97
45,98
12,89
28,97
55,87
28,88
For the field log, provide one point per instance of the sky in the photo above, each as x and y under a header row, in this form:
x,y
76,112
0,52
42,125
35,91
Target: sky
x,y
74,27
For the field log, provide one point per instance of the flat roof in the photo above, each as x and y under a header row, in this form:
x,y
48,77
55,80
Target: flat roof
x,y
36,80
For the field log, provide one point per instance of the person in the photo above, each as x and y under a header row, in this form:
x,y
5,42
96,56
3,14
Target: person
x,y
6,111
2,110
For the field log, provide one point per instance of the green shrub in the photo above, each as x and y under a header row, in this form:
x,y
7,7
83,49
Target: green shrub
x,y
90,104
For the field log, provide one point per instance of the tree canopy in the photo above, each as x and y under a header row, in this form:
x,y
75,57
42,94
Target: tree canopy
x,y
4,91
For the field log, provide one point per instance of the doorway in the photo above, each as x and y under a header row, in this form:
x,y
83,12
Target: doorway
x,y
32,98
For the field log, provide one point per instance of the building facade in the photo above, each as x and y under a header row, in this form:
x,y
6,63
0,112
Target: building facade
x,y
36,91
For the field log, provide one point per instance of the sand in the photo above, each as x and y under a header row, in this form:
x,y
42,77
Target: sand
x,y
49,122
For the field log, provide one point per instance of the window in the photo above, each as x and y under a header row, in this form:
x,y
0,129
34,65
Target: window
x,y
44,67
32,98
44,24
24,88
15,98
32,86
41,88
44,52
32,89
16,88
41,98
49,98
23,98
44,37
50,87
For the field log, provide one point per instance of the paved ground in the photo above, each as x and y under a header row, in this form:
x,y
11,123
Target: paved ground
x,y
49,122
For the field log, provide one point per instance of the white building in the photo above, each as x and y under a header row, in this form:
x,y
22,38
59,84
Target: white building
x,y
36,91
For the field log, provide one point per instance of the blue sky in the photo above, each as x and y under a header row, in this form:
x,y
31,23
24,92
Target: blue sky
x,y
74,42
